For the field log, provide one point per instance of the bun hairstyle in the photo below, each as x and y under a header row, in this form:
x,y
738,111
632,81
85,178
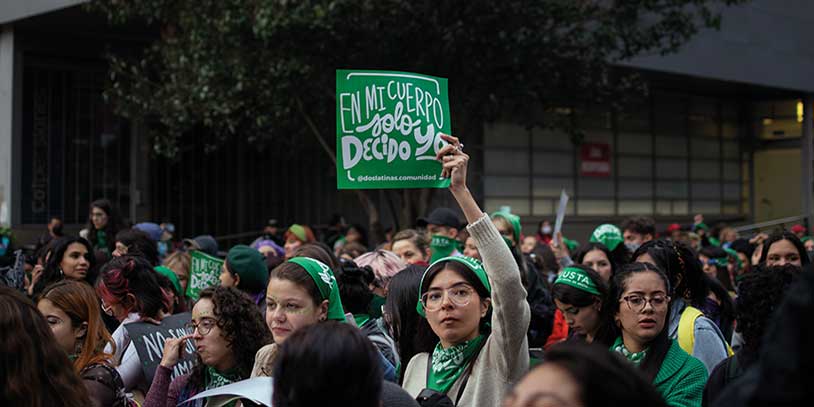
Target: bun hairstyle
x,y
354,287
133,275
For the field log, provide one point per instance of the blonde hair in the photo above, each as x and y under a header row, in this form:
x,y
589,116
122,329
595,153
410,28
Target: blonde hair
x,y
385,265
179,261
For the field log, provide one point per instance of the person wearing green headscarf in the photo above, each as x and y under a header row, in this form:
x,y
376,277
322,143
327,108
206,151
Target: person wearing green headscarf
x,y
478,311
302,291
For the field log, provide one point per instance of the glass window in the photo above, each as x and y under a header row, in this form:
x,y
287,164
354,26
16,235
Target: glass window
x,y
706,190
520,206
635,143
641,167
595,188
551,187
732,191
681,207
705,148
635,189
706,207
705,169
596,207
671,189
551,139
505,162
671,146
505,135
553,163
664,207
505,186
731,171
731,149
671,168
548,206
627,207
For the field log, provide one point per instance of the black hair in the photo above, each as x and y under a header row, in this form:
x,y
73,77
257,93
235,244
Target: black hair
x,y
114,223
579,298
759,294
411,333
318,251
354,287
591,246
791,237
52,272
661,344
682,267
742,245
544,261
362,232
178,305
468,275
605,378
641,225
327,364
721,272
140,244
242,326
133,275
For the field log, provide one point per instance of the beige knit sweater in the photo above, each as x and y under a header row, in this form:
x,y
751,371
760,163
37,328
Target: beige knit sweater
x,y
504,358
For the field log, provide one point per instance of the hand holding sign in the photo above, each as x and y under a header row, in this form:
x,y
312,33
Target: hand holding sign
x,y
173,351
559,248
453,161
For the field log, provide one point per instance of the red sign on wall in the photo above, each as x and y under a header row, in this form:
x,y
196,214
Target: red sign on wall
x,y
595,160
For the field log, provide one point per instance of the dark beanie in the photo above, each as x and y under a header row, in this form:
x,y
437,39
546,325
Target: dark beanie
x,y
250,265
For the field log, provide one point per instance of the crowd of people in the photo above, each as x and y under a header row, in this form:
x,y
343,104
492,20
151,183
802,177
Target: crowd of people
x,y
453,312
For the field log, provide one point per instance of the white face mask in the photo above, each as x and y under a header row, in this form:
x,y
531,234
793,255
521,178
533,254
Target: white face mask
x,y
546,230
632,246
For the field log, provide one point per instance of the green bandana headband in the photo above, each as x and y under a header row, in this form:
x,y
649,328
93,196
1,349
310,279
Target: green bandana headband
x,y
607,234
167,272
514,220
326,283
441,246
577,278
298,231
469,262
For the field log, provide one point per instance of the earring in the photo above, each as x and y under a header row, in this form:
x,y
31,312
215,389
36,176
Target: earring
x,y
61,273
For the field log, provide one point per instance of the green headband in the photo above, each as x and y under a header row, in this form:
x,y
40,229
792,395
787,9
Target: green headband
x,y
514,220
167,272
298,231
607,234
470,263
577,278
326,283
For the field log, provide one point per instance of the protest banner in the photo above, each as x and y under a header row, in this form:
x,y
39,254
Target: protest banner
x,y
149,339
388,127
563,206
204,272
258,390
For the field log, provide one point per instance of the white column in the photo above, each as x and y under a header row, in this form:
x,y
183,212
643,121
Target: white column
x,y
6,122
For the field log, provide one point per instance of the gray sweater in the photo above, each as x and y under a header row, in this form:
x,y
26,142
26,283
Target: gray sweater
x,y
504,358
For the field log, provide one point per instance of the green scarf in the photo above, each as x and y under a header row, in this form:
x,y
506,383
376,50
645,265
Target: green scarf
x,y
448,364
101,241
441,246
326,283
635,358
361,319
375,306
215,379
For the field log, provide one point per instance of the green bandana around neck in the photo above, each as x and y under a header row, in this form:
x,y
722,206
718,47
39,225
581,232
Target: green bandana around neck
x,y
577,278
441,246
101,241
635,358
374,309
514,220
215,379
361,319
472,264
607,234
326,283
448,364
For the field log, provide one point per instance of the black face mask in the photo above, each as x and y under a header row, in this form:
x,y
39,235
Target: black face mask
x,y
810,254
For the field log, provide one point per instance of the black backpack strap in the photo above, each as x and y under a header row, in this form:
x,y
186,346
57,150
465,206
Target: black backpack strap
x,y
468,372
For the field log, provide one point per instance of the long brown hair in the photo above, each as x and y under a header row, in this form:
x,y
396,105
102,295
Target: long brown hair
x,y
34,370
79,301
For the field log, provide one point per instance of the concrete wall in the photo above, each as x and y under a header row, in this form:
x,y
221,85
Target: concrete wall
x,y
6,122
765,42
777,184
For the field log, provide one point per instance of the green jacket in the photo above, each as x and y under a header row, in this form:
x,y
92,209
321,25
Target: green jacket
x,y
681,379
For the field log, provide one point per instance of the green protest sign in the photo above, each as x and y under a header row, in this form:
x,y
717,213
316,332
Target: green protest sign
x,y
204,273
388,127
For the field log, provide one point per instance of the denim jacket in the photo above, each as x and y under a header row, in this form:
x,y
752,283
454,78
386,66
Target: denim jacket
x,y
709,346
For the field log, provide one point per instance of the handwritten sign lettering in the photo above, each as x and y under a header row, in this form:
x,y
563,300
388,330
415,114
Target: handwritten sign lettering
x,y
388,127
149,342
204,273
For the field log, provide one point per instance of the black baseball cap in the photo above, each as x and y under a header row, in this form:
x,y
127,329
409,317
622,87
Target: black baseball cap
x,y
440,216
